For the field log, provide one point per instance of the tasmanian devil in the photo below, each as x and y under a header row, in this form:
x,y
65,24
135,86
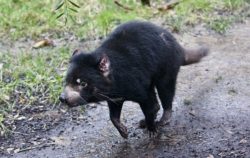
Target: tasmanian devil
x,y
133,61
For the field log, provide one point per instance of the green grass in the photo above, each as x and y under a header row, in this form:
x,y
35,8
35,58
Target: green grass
x,y
110,15
30,78
217,15
26,76
24,18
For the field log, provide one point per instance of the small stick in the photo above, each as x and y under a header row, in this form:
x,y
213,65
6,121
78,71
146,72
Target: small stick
x,y
19,133
122,6
169,5
35,147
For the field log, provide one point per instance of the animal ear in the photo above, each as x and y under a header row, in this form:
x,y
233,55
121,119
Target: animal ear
x,y
75,52
104,65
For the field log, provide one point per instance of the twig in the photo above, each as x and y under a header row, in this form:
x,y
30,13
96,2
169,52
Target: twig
x,y
169,5
19,133
122,6
35,147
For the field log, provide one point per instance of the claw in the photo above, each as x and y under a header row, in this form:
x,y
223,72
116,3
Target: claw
x,y
120,127
124,135
123,131
152,131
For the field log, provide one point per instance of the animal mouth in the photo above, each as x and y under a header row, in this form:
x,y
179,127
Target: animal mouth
x,y
72,101
78,102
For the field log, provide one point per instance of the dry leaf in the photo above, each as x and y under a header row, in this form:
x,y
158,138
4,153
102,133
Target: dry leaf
x,y
210,156
169,5
9,150
43,43
21,118
63,111
31,118
61,141
243,141
16,150
192,112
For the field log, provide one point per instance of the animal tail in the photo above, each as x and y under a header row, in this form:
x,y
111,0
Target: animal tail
x,y
194,55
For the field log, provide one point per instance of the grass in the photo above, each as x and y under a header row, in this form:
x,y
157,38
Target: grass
x,y
217,15
30,78
23,18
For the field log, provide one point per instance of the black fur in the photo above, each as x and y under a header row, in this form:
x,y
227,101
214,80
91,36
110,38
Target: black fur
x,y
142,57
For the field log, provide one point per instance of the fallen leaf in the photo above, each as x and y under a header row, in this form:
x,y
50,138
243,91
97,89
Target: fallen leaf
x,y
243,141
61,141
31,118
43,43
210,156
63,111
21,118
228,131
16,150
9,150
169,5
192,112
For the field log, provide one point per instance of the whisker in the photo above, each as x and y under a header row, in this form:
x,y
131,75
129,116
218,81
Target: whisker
x,y
101,104
110,99
110,93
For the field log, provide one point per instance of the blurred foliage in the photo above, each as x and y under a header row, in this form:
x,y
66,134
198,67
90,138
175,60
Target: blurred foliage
x,y
93,18
30,19
66,8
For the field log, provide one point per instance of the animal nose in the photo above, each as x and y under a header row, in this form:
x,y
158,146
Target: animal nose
x,y
62,98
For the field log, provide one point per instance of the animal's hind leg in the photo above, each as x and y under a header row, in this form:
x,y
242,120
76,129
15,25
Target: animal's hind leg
x,y
166,91
156,108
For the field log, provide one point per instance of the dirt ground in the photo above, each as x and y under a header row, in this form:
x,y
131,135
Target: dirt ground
x,y
211,113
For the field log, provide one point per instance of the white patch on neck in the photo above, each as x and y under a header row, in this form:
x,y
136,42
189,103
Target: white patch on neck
x,y
106,73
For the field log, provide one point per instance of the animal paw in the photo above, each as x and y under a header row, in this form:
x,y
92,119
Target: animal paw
x,y
152,130
123,131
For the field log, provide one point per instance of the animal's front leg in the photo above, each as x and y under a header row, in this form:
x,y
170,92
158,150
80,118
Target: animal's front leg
x,y
150,108
115,113
149,119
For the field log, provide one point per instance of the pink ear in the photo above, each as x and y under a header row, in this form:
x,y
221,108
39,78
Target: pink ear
x,y
104,65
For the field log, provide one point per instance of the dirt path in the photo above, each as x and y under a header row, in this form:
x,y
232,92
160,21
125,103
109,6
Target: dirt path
x,y
211,114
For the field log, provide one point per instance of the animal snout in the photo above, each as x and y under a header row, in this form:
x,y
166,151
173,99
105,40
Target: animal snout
x,y
62,98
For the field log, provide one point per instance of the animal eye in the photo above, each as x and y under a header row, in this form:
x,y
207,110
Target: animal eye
x,y
78,80
82,83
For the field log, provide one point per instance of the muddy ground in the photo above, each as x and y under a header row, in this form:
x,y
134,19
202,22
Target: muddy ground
x,y
211,113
